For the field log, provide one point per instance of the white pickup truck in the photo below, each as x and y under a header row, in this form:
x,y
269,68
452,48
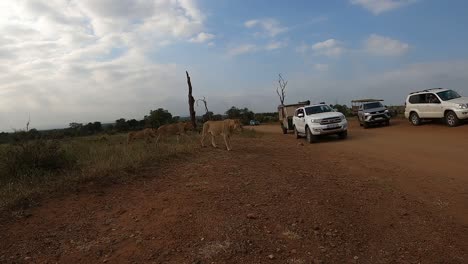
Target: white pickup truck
x,y
320,119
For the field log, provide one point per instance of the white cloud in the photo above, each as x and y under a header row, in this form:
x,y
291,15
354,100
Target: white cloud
x,y
276,45
86,60
270,27
385,46
329,48
202,37
321,67
251,48
380,6
242,49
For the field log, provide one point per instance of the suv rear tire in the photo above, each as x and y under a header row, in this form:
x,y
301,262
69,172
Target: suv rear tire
x,y
414,119
285,131
451,119
310,138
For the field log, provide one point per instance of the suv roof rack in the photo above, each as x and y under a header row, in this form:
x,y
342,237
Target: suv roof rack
x,y
427,90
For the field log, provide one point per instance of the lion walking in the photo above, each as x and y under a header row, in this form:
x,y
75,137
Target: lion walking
x,y
176,129
146,133
224,128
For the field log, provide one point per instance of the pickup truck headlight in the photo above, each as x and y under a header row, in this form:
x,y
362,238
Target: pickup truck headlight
x,y
386,111
316,120
463,106
366,114
342,117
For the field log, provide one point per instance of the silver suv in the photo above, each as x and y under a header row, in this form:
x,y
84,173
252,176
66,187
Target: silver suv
x,y
373,113
436,103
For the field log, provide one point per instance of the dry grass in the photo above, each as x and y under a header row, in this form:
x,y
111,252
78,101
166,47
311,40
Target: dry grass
x,y
105,161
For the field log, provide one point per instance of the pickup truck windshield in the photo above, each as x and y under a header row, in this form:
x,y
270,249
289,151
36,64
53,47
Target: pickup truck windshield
x,y
448,95
372,105
318,109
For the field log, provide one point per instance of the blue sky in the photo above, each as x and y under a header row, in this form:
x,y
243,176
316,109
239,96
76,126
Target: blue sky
x,y
81,61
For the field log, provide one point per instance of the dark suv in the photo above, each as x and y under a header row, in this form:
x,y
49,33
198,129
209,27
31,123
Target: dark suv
x,y
373,113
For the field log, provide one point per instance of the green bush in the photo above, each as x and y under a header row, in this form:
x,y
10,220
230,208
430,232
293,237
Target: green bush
x,y
34,158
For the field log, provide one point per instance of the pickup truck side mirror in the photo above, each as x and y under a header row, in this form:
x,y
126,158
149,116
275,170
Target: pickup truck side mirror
x,y
300,115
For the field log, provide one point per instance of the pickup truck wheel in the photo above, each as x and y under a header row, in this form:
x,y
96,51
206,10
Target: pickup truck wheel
x,y
343,135
387,123
359,120
365,125
451,119
414,119
310,138
296,133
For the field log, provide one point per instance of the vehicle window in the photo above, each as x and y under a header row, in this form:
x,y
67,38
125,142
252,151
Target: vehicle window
x,y
318,109
417,99
298,111
448,95
431,99
372,105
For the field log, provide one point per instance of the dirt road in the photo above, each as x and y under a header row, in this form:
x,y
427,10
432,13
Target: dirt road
x,y
385,195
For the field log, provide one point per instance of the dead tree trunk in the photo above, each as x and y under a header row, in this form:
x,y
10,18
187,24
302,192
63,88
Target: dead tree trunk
x,y
191,102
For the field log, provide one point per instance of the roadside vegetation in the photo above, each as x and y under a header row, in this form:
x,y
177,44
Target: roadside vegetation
x,y
31,168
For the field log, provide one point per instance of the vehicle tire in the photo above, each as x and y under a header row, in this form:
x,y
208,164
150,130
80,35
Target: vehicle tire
x,y
451,119
296,133
359,120
310,138
343,135
387,123
285,131
414,119
365,125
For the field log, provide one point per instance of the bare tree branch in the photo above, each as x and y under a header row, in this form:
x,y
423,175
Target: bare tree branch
x,y
281,90
204,102
27,124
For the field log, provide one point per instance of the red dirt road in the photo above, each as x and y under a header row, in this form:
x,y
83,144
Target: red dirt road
x,y
386,195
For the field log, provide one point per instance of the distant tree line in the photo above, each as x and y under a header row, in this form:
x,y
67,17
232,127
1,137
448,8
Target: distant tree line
x,y
154,119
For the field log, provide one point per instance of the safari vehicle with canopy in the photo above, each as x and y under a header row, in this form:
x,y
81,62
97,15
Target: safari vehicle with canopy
x,y
286,113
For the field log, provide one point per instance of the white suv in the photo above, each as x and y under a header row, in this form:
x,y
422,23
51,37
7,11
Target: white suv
x,y
436,103
316,120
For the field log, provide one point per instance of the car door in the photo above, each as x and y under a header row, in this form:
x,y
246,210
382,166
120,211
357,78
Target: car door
x,y
423,105
434,107
300,121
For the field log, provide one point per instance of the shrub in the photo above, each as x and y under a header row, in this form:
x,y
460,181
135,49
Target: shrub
x,y
33,158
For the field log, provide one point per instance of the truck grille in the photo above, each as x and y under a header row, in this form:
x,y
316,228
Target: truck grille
x,y
378,112
332,120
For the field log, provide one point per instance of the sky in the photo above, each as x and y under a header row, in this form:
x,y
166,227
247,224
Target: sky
x,y
64,61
